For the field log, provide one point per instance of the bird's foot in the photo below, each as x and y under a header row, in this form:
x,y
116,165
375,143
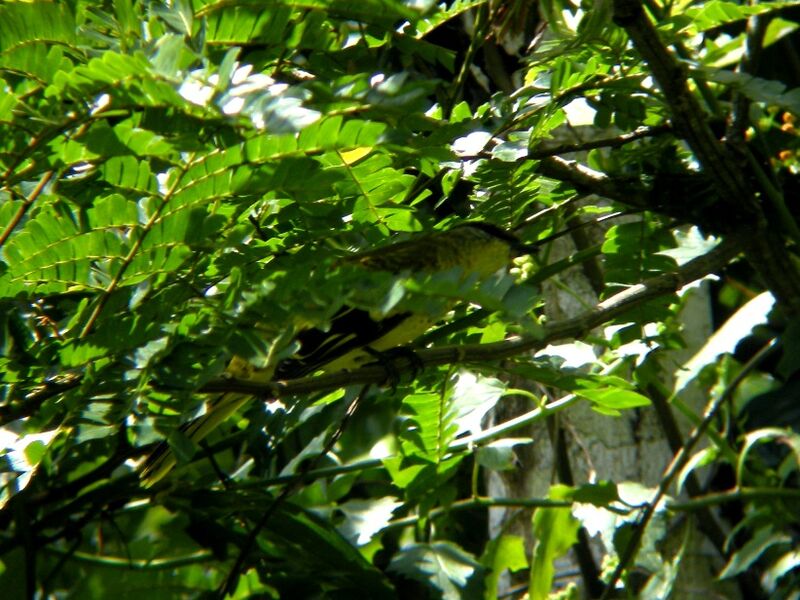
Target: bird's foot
x,y
391,359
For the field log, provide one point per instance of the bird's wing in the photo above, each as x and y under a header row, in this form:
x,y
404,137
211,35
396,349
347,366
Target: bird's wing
x,y
351,329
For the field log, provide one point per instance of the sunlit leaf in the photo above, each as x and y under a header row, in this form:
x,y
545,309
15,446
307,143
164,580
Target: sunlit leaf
x,y
442,565
554,531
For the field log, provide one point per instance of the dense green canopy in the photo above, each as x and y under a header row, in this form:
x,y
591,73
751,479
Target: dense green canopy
x,y
179,185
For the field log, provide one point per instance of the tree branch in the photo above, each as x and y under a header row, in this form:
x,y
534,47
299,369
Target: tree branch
x,y
738,207
677,464
544,150
32,402
480,353
26,204
687,114
754,42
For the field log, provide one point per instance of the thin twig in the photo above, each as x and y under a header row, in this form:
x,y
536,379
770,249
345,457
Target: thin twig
x,y
543,150
229,585
25,206
481,502
677,464
672,433
128,564
735,495
128,260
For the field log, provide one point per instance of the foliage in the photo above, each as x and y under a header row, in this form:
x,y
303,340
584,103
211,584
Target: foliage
x,y
179,183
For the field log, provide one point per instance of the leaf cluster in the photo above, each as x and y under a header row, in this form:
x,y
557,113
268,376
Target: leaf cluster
x,y
179,183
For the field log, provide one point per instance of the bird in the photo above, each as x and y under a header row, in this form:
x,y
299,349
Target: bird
x,y
355,336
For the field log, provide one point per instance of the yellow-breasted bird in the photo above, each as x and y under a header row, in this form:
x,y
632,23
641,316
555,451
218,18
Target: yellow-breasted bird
x,y
478,249
354,336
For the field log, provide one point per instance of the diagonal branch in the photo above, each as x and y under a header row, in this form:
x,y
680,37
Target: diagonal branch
x,y
678,463
738,207
134,251
614,306
628,191
26,204
480,353
688,116
544,150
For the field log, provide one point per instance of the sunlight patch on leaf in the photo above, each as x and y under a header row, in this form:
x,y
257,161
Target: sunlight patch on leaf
x,y
575,354
595,519
473,397
691,244
23,453
365,518
499,455
472,144
350,157
580,113
786,563
442,565
724,340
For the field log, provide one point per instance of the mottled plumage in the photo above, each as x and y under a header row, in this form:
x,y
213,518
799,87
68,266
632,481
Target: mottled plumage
x,y
477,248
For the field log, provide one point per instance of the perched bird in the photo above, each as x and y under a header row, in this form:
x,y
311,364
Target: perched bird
x,y
355,336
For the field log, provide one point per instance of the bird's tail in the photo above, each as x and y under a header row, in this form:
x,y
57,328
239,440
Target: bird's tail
x,y
163,459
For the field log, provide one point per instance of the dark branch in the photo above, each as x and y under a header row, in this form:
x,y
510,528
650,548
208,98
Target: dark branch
x,y
738,204
481,353
31,403
688,116
544,150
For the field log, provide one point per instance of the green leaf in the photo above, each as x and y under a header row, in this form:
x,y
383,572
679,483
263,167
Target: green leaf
x,y
613,400
23,22
180,182
442,565
35,452
598,494
499,455
718,12
555,530
757,89
402,475
435,429
321,555
506,552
